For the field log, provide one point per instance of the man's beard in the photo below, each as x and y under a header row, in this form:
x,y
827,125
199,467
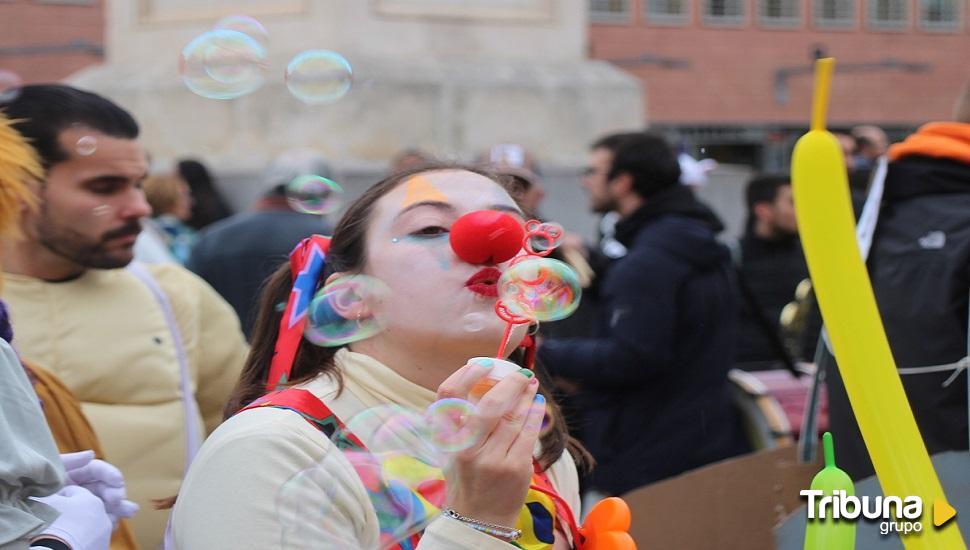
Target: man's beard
x,y
70,244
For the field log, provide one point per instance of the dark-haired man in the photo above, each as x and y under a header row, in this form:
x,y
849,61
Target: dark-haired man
x,y
654,392
771,265
129,342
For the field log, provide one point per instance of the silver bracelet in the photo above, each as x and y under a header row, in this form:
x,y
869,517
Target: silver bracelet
x,y
508,533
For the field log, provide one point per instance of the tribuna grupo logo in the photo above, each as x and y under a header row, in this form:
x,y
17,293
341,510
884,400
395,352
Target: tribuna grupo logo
x,y
895,514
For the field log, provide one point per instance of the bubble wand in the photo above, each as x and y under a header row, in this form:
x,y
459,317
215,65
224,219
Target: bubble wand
x,y
534,231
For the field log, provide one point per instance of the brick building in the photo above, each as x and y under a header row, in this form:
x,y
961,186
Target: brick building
x,y
734,76
47,40
731,76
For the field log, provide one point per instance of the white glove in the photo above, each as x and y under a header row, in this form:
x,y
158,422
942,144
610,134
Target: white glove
x,y
83,523
102,479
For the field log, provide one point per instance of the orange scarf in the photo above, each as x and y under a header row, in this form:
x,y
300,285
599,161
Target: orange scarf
x,y
945,140
72,432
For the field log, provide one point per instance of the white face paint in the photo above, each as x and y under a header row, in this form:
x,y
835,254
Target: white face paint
x,y
408,248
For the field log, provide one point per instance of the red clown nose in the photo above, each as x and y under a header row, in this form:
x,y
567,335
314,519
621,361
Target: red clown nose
x,y
486,237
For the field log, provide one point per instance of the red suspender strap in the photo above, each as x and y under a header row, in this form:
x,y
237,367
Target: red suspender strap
x,y
563,511
307,405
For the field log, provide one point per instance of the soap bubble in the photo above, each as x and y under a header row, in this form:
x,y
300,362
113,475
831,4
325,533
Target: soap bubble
x,y
312,194
343,311
446,426
401,466
312,505
542,237
319,76
452,426
308,503
246,25
398,455
223,64
391,429
10,84
86,146
475,322
540,289
405,492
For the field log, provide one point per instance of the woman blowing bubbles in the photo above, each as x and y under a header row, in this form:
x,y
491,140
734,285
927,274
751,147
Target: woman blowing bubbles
x,y
504,488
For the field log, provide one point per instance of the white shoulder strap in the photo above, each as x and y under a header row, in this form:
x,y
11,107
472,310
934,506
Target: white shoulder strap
x,y
866,226
190,408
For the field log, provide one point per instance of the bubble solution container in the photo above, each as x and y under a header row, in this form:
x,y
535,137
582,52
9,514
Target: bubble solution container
x,y
500,369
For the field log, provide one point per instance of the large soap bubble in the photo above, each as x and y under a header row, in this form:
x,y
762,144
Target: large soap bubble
x,y
312,194
319,76
345,310
541,289
223,64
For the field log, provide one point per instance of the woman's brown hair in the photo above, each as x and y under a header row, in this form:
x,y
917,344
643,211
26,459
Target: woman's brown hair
x,y
162,192
348,254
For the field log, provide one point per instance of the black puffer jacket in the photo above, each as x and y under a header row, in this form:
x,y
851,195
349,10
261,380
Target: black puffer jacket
x,y
920,269
655,398
771,269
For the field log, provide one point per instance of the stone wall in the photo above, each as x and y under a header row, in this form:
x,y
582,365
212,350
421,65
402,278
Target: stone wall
x,y
426,74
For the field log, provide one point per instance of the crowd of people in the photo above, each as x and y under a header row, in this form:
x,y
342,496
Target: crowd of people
x,y
143,325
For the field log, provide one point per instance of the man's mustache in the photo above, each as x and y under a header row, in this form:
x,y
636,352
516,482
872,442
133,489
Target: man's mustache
x,y
129,229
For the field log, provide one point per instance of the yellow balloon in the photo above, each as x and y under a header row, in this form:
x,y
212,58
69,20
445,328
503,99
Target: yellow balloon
x,y
827,228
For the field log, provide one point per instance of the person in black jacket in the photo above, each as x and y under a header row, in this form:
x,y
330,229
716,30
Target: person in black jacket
x,y
770,265
653,378
919,264
237,254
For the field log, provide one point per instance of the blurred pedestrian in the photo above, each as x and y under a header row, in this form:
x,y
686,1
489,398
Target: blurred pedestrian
x,y
208,204
237,254
171,201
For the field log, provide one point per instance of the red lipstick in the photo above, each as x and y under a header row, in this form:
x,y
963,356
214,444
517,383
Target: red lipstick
x,y
484,282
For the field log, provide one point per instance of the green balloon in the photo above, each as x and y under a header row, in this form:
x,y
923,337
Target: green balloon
x,y
829,533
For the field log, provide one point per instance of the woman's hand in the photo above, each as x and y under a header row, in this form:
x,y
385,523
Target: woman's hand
x,y
489,481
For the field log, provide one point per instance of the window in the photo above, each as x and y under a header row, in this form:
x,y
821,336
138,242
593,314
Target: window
x,y
609,10
782,13
888,14
835,13
940,14
724,12
674,12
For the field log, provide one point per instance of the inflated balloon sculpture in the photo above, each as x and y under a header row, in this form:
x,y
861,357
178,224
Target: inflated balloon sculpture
x,y
827,228
545,289
830,533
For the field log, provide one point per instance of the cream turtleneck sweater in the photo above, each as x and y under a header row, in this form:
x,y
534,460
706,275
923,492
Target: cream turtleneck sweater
x,y
268,479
